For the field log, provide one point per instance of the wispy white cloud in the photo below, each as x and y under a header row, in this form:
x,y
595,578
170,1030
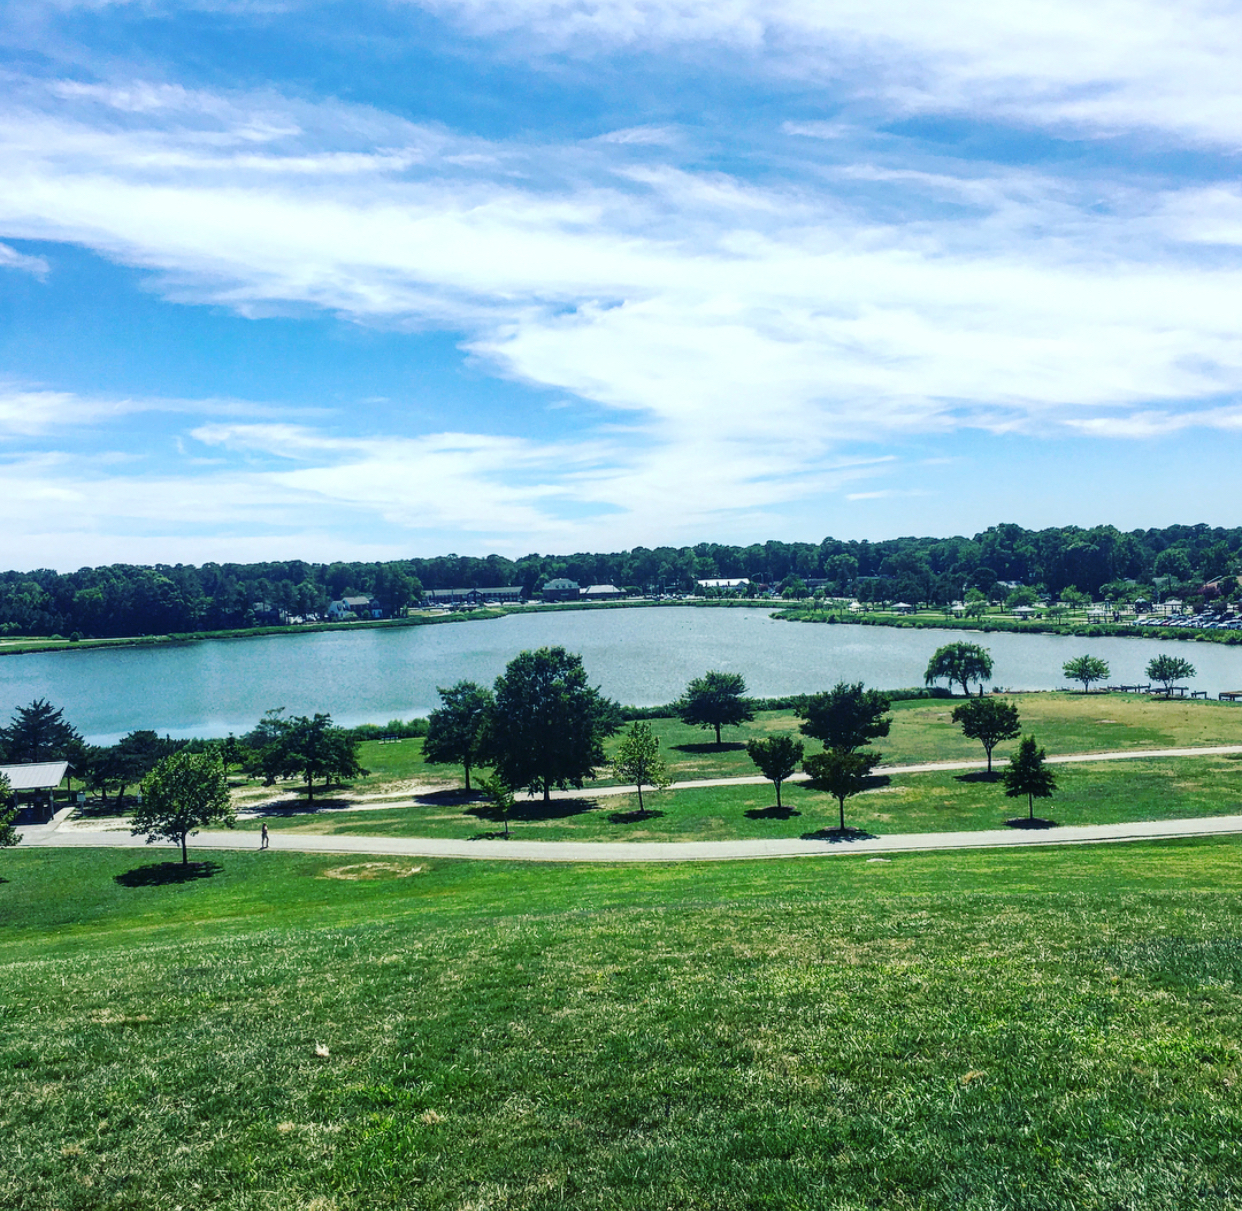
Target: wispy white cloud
x,y
1112,66
10,258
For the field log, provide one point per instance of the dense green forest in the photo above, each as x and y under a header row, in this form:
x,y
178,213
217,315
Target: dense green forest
x,y
127,600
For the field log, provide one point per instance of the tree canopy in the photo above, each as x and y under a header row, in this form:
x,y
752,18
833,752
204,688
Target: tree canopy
x,y
1027,774
777,757
638,761
306,747
1086,669
455,728
183,793
988,720
39,732
961,663
715,700
847,717
548,725
1169,669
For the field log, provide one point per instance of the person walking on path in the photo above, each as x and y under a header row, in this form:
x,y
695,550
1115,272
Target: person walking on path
x,y
263,839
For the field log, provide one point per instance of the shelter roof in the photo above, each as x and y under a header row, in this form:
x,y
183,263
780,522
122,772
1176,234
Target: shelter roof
x,y
35,775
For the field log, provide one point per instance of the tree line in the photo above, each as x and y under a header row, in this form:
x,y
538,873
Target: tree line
x,y
124,599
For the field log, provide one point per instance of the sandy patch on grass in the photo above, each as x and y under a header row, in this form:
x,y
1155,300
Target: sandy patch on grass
x,y
372,870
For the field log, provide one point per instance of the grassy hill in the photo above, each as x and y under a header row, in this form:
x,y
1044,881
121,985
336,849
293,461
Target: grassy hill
x,y
1044,1029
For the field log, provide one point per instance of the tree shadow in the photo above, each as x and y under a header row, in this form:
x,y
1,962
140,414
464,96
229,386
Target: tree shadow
x,y
160,874
875,781
531,811
772,813
1027,822
97,809
300,807
634,817
980,776
449,798
489,837
838,835
710,746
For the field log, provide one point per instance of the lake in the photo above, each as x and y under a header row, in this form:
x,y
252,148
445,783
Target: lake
x,y
639,657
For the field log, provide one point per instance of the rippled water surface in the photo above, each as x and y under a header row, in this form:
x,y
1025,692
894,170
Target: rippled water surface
x,y
642,657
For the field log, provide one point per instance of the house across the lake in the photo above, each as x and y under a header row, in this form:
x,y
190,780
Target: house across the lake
x,y
509,594
601,592
561,589
359,607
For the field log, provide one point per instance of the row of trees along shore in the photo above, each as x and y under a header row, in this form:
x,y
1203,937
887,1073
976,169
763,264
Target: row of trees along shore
x,y
542,726
125,599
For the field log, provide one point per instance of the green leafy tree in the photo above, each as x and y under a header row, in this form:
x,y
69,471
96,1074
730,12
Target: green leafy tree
x,y
847,717
1024,596
777,757
500,794
961,663
1169,669
840,774
1028,774
1086,669
8,813
455,729
988,720
638,761
307,747
183,793
39,732
548,725
715,700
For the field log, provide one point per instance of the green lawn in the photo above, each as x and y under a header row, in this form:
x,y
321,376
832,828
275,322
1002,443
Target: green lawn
x,y
1052,1029
1102,792
922,730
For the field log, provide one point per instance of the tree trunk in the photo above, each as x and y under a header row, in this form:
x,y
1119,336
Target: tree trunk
x,y
778,795
718,735
989,753
641,812
466,767
185,853
547,791
841,802
1030,806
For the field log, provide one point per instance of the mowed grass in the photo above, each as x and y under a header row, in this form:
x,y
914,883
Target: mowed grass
x,y
922,730
1046,1029
1104,792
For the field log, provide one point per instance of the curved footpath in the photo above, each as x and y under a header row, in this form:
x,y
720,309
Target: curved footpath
x,y
688,851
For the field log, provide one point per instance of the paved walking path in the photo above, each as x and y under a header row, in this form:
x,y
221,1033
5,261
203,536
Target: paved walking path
x,y
655,851
65,832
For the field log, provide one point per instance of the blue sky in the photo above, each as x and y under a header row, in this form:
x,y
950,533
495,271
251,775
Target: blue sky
x,y
369,280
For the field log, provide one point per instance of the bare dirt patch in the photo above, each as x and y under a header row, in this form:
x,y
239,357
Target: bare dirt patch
x,y
372,870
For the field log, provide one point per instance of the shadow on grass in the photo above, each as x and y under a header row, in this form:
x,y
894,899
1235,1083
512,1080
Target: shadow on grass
x,y
838,835
634,817
725,746
489,837
160,874
1027,822
449,798
300,807
531,811
980,776
772,813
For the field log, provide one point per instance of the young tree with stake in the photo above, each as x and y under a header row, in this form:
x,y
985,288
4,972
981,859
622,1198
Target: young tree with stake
x,y
777,757
638,761
1027,774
